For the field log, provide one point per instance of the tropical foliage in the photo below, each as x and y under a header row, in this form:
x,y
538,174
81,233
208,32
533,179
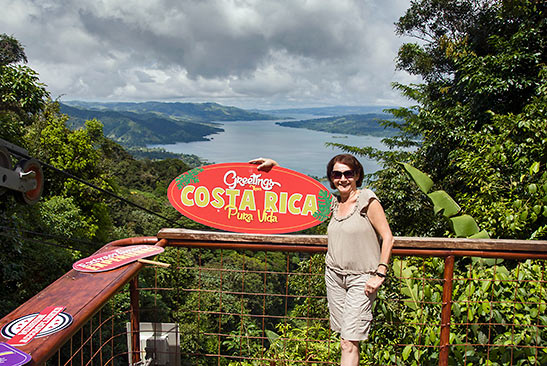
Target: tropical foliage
x,y
355,124
462,224
479,123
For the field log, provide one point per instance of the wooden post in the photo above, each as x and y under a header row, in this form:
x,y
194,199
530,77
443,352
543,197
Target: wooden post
x,y
135,319
446,310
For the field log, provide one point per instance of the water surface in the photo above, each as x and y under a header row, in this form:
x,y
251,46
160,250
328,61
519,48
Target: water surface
x,y
294,148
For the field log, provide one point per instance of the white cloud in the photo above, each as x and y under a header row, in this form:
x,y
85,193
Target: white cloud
x,y
248,53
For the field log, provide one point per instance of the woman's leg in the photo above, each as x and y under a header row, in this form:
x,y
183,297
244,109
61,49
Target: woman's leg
x,y
350,353
357,318
336,296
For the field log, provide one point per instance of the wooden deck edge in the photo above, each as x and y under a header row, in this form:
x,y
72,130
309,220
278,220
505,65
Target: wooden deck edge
x,y
83,294
512,245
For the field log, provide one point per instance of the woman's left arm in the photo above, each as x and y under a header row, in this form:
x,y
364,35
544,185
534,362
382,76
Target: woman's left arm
x,y
378,220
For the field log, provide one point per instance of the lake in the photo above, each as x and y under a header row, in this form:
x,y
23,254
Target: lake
x,y
294,148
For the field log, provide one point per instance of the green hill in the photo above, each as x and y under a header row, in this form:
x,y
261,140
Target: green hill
x,y
140,124
197,112
140,129
354,124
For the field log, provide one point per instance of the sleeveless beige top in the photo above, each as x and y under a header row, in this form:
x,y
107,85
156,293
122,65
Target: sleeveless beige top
x,y
353,245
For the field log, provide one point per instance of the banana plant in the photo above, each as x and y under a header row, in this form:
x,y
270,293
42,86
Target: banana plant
x,y
464,226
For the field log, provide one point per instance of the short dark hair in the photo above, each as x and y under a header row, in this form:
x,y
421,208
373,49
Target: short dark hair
x,y
350,161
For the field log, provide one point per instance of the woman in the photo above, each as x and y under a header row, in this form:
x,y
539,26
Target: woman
x,y
356,263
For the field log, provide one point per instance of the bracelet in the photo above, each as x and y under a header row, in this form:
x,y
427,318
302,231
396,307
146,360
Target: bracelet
x,y
384,264
380,274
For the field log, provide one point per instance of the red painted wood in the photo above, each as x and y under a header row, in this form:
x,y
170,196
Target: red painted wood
x,y
83,294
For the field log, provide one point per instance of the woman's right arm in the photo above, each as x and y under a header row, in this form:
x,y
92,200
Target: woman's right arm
x,y
378,220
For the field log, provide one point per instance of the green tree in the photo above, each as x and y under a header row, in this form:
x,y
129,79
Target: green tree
x,y
11,51
505,172
79,153
21,93
478,126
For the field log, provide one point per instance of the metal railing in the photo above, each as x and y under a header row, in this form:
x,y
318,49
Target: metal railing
x,y
259,300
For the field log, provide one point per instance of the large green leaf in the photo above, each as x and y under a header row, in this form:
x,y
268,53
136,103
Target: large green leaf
x,y
272,336
483,234
422,180
464,226
444,203
410,289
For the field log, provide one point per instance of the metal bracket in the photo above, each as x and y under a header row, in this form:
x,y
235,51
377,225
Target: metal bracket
x,y
17,180
26,179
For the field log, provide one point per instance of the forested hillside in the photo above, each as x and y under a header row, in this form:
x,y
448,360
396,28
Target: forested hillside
x,y
140,129
147,123
326,111
196,112
355,124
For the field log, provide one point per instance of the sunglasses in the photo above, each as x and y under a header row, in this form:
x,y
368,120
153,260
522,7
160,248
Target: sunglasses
x,y
349,174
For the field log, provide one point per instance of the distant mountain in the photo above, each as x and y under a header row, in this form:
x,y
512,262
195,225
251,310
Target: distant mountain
x,y
140,124
197,112
326,111
355,124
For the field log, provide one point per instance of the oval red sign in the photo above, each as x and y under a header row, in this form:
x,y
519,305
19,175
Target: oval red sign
x,y
112,259
237,197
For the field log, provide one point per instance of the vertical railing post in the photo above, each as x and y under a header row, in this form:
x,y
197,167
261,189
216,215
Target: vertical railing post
x,y
446,310
135,319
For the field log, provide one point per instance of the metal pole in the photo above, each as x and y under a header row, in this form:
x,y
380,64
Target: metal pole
x,y
446,310
135,319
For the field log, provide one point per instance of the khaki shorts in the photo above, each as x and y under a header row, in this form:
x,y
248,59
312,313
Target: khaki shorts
x,y
349,307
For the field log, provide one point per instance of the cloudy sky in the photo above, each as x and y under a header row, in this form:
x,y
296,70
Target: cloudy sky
x,y
246,53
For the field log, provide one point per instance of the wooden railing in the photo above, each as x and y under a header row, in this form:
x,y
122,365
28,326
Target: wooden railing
x,y
84,294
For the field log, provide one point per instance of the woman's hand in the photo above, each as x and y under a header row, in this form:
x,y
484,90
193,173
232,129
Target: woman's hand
x,y
373,284
264,164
